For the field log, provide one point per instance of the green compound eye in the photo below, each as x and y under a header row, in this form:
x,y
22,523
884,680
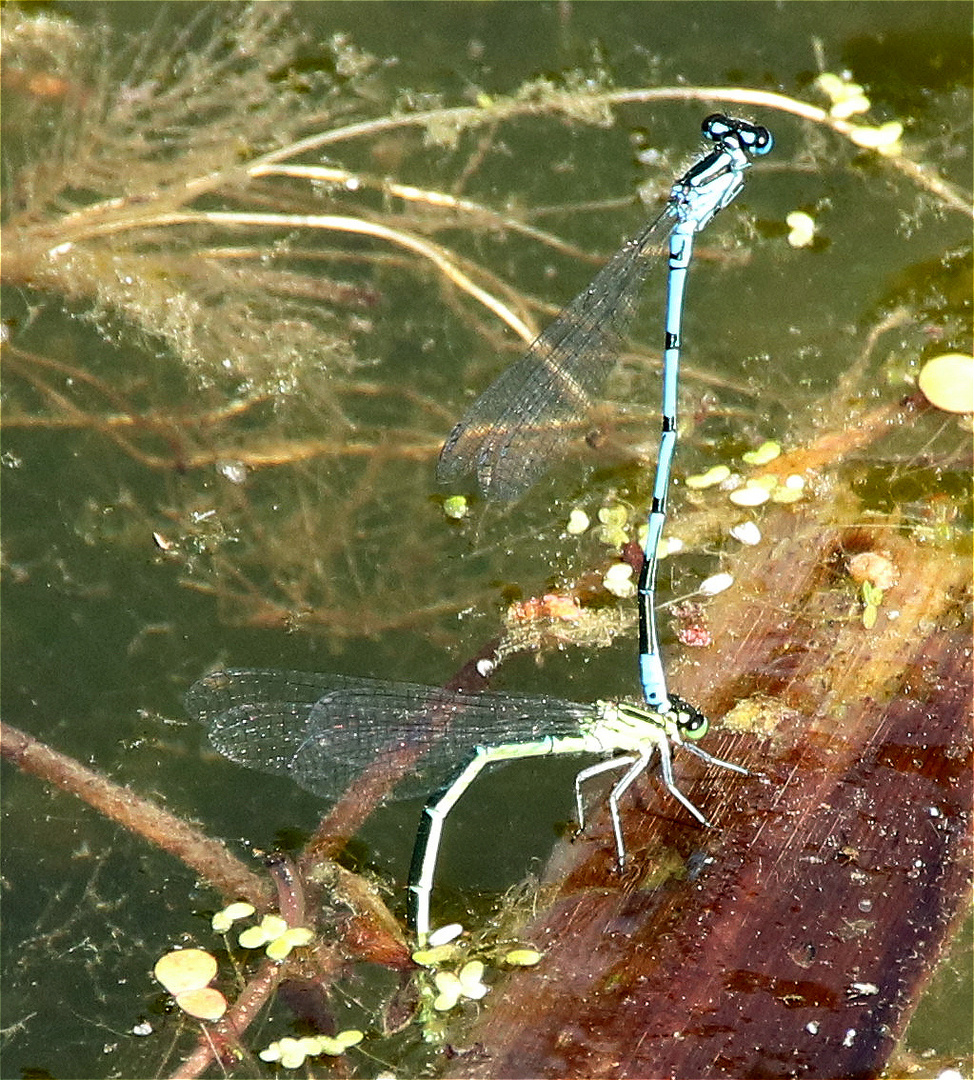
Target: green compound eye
x,y
691,721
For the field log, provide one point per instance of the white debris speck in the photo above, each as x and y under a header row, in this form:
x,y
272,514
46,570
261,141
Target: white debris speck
x,y
669,546
750,495
234,471
802,227
578,522
618,580
445,934
746,533
716,583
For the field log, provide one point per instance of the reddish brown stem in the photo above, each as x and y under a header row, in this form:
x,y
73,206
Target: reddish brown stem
x,y
208,857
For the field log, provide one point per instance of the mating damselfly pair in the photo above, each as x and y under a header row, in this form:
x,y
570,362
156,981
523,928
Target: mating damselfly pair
x,y
325,730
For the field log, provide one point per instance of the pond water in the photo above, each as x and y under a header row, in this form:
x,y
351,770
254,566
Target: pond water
x,y
221,433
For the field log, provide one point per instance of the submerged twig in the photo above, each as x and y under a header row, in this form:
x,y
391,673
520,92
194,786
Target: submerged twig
x,y
207,857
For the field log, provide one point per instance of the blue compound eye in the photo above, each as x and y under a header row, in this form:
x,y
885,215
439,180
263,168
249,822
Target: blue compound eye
x,y
716,126
762,140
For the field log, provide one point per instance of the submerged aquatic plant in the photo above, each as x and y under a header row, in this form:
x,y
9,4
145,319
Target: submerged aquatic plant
x,y
128,172
217,202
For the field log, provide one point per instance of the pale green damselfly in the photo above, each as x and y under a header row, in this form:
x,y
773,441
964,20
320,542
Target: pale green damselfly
x,y
324,731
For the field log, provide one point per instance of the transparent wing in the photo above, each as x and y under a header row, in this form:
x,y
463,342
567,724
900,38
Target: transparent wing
x,y
325,730
525,417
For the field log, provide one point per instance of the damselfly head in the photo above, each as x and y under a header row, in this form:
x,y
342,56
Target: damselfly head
x,y
690,721
754,138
